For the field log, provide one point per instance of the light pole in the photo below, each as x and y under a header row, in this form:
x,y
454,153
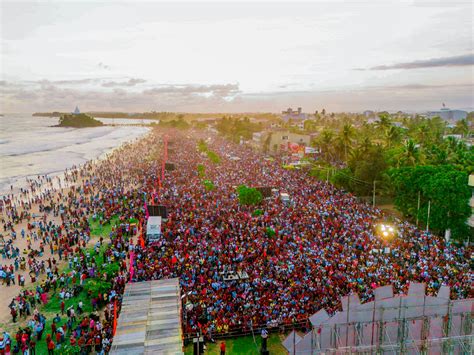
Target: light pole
x,y
418,208
373,197
428,219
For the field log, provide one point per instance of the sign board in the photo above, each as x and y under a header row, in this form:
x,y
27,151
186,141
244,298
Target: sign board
x,y
310,150
153,227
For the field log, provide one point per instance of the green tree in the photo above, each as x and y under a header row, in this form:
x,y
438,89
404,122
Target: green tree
x,y
392,136
213,157
249,196
462,127
96,286
202,146
366,168
365,144
209,185
325,142
201,170
444,187
423,134
384,122
410,154
345,138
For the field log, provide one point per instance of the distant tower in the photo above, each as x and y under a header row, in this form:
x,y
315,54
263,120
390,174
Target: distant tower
x,y
76,111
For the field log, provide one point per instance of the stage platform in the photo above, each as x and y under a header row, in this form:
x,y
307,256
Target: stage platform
x,y
150,319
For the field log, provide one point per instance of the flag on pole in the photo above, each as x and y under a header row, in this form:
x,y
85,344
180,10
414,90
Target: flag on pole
x,y
142,240
146,209
115,316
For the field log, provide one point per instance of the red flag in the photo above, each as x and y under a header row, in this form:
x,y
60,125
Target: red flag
x,y
115,316
131,269
146,209
142,240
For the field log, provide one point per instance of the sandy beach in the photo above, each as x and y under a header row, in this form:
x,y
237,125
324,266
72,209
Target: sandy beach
x,y
9,292
60,193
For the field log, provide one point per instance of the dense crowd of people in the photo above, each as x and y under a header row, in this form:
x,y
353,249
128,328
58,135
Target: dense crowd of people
x,y
294,257
324,244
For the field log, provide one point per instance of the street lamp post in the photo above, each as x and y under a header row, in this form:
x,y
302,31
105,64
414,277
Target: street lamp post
x,y
428,218
418,208
373,197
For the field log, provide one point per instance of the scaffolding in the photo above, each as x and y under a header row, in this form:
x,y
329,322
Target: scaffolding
x,y
402,324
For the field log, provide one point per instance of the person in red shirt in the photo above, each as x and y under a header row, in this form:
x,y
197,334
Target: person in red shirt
x,y
50,344
58,338
223,348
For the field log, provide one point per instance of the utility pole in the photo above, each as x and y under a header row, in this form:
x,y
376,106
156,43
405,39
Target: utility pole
x,y
428,219
418,209
373,197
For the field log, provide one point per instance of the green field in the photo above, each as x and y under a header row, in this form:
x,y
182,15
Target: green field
x,y
245,345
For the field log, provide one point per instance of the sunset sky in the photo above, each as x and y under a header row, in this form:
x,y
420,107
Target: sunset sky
x,y
225,57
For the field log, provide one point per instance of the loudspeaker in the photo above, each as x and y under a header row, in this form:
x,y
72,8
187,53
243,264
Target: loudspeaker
x,y
158,210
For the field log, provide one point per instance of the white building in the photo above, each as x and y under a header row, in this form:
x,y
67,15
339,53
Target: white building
x,y
77,111
448,115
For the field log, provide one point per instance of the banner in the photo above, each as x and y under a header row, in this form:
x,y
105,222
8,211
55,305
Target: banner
x,y
295,148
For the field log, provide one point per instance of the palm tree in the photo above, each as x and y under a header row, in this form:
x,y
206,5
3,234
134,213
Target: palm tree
x,y
325,142
410,154
365,144
437,127
384,121
345,138
392,135
423,134
462,127
437,155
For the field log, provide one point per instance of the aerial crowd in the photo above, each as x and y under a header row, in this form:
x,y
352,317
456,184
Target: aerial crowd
x,y
292,257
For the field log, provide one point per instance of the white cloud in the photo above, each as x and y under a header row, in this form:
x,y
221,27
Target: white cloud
x,y
266,48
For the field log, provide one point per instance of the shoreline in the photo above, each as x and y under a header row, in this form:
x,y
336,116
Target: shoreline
x,y
22,180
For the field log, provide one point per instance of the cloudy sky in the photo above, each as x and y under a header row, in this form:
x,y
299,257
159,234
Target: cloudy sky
x,y
227,57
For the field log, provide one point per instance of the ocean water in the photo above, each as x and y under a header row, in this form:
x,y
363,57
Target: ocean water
x,y
29,146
